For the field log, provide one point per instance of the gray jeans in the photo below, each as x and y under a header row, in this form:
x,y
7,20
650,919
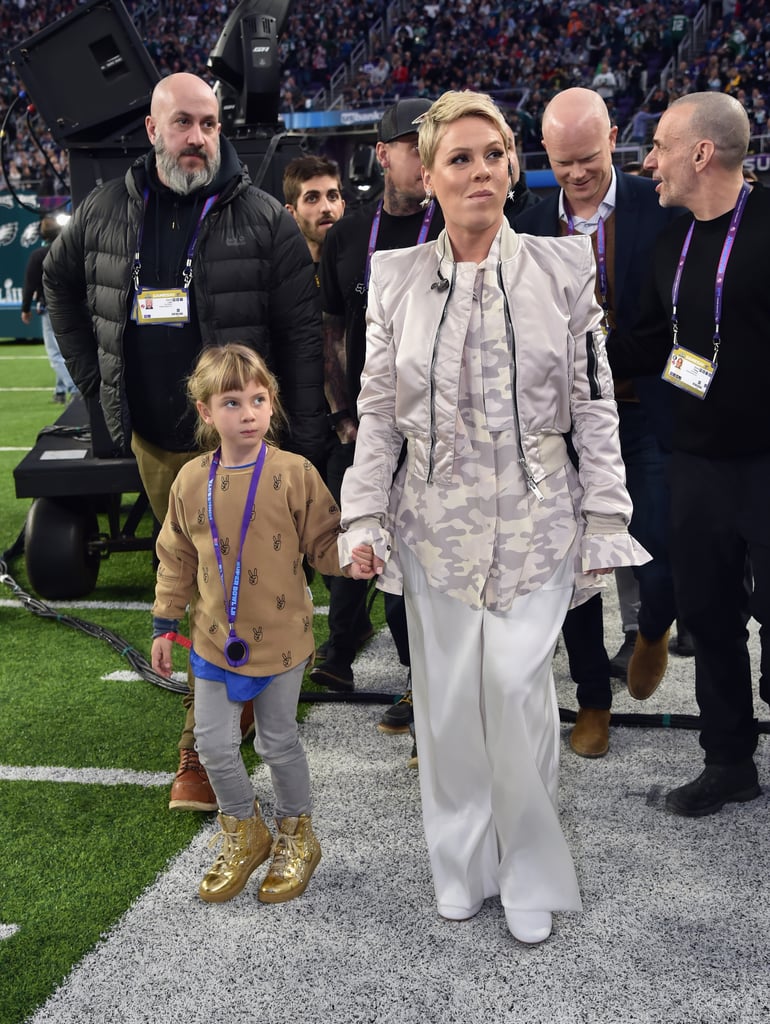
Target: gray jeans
x,y
218,742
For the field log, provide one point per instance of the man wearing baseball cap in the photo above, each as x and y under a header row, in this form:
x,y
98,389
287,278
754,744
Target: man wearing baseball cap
x,y
396,221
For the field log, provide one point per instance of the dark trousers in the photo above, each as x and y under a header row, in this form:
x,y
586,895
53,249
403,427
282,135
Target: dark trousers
x,y
348,612
720,518
646,465
589,666
348,615
583,630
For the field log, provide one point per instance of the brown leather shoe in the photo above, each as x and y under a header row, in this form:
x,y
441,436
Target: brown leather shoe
x,y
591,734
647,666
191,789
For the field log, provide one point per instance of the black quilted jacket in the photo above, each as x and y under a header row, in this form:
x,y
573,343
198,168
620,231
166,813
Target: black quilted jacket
x,y
253,282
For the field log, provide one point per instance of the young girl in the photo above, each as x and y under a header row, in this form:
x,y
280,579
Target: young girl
x,y
239,521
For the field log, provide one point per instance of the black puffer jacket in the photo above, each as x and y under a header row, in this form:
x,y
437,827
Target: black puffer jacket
x,y
253,282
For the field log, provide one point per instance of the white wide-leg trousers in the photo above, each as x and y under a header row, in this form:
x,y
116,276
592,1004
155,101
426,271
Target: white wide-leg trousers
x,y
487,727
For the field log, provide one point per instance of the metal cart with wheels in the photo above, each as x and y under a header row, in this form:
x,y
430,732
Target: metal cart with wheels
x,y
71,486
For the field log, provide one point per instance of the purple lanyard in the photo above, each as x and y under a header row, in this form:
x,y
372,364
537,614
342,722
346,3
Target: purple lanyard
x,y
424,229
601,255
721,268
187,272
231,605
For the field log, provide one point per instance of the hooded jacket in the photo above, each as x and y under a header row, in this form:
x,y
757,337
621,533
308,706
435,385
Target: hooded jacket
x,y
253,282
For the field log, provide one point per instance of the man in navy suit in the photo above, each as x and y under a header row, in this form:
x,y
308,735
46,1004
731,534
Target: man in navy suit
x,y
622,214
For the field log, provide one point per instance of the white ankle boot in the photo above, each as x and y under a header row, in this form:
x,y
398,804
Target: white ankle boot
x,y
530,926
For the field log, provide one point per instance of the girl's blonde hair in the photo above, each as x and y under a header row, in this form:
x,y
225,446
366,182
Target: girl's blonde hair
x,y
231,367
449,107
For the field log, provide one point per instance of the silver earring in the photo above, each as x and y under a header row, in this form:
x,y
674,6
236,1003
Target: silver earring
x,y
428,198
511,192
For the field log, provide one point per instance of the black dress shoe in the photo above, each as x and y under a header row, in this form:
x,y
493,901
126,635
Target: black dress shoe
x,y
619,664
337,675
399,716
717,785
324,651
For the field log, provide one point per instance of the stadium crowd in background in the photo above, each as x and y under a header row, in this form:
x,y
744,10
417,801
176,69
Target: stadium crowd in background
x,y
521,53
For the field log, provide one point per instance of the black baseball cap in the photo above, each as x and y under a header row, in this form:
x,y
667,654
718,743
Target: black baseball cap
x,y
399,119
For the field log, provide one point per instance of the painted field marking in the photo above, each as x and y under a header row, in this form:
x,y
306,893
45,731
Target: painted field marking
x,y
83,776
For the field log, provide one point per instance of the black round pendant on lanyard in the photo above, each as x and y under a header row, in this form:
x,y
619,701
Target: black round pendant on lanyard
x,y
236,649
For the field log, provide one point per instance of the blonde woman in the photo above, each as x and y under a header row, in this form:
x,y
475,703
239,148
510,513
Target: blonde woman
x,y
483,350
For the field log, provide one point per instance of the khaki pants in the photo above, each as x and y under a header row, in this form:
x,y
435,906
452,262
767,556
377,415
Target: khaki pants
x,y
158,469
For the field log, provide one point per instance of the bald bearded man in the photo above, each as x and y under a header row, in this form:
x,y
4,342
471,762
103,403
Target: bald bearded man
x,y
181,254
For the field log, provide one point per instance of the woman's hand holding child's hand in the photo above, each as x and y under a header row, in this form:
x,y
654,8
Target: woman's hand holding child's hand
x,y
365,563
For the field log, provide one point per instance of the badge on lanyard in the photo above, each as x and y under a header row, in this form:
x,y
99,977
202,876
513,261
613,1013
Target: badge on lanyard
x,y
689,372
169,306
161,306
685,369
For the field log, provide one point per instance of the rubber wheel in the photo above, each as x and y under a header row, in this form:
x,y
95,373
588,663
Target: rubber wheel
x,y
56,535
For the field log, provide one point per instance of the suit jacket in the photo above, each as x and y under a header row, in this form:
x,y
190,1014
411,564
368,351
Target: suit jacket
x,y
639,218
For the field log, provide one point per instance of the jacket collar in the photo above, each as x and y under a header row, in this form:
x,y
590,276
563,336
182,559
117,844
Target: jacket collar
x,y
509,247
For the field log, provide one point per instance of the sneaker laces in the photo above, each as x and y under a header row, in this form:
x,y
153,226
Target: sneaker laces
x,y
406,699
226,838
285,849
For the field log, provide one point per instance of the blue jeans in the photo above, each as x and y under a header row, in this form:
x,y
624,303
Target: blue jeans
x,y
64,383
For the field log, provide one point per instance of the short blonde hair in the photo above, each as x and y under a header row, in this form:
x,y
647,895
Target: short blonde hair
x,y
450,107
231,367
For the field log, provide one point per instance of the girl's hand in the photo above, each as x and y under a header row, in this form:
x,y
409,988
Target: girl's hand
x,y
365,563
161,656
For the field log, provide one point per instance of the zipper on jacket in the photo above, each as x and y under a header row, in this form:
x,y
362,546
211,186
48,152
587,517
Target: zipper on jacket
x,y
595,389
432,450
528,475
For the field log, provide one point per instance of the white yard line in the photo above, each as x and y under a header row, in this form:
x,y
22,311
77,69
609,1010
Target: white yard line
x,y
121,606
84,776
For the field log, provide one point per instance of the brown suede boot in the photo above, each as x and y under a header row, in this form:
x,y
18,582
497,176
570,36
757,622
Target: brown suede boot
x,y
246,844
296,852
591,735
647,666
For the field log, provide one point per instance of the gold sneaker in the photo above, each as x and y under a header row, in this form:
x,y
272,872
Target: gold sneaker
x,y
246,844
296,852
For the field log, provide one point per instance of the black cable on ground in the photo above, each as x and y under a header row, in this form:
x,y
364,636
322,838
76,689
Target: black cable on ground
x,y
348,697
16,549
136,660
142,667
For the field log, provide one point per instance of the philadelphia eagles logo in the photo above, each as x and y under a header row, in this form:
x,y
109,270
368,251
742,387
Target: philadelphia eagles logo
x,y
8,232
